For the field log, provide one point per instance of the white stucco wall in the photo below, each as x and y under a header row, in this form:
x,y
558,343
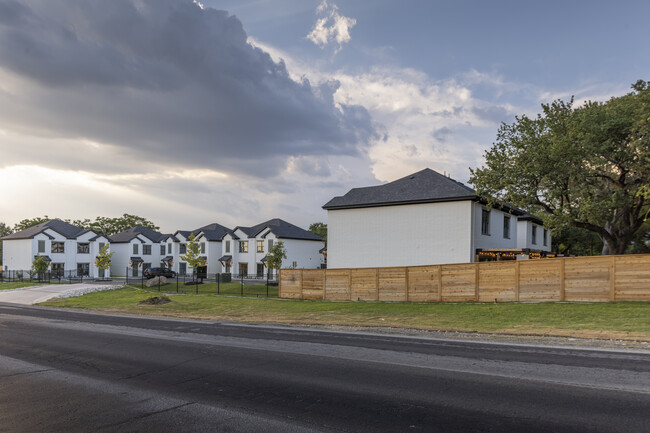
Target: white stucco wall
x,y
17,254
525,236
406,235
495,238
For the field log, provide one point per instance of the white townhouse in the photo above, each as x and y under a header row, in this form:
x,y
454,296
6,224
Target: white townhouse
x,y
137,249
245,248
208,238
70,250
427,218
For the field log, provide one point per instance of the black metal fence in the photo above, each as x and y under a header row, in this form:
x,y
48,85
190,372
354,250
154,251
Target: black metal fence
x,y
49,277
220,283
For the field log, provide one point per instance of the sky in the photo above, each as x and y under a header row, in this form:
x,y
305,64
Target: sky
x,y
236,112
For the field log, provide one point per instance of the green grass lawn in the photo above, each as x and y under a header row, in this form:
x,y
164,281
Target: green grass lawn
x,y
624,320
233,288
18,284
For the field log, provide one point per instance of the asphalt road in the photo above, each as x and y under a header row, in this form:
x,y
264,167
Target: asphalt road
x,y
64,371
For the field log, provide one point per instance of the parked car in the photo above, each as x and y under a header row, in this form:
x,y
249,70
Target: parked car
x,y
157,272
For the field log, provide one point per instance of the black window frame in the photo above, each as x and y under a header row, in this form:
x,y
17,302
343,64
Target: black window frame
x,y
183,249
243,247
260,246
506,226
83,248
533,235
38,247
146,249
227,246
57,243
485,222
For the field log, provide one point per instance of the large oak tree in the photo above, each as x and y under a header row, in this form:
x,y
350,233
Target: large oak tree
x,y
585,167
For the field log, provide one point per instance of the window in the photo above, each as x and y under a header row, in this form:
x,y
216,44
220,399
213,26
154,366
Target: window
x,y
485,222
57,269
243,246
182,268
506,226
545,236
135,249
41,246
270,244
202,247
162,250
260,268
83,248
260,246
101,245
534,234
227,246
169,248
83,269
183,249
146,250
57,247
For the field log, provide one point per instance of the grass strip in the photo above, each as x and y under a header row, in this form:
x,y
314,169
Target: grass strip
x,y
18,284
621,320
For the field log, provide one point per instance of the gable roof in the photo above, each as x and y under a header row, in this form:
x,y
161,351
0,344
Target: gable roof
x,y
133,232
63,228
425,186
212,232
282,230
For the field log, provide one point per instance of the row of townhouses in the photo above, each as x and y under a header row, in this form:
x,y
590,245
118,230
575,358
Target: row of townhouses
x,y
422,219
240,251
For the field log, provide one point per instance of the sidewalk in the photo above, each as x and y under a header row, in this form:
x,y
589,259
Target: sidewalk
x,y
35,294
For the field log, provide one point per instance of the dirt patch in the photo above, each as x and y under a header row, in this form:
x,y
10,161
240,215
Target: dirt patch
x,y
155,300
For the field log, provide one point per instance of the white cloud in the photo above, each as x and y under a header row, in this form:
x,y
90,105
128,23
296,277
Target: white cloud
x,y
331,26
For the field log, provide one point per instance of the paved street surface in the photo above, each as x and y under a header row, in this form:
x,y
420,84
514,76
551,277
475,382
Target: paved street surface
x,y
64,371
35,294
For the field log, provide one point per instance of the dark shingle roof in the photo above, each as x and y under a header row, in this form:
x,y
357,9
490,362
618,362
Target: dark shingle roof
x,y
281,229
212,232
133,232
426,186
530,217
61,227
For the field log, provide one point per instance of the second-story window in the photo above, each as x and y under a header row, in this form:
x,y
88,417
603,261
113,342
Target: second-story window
x,y
169,248
146,250
41,246
135,248
162,250
227,246
58,247
270,244
202,247
506,226
545,237
243,246
534,234
485,222
183,249
83,248
260,246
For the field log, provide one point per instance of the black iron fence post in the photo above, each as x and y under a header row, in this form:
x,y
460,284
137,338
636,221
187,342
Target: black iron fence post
x,y
242,284
267,284
176,283
218,282
127,275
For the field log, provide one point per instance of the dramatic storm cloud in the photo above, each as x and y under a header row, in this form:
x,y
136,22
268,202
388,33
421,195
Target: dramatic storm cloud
x,y
165,81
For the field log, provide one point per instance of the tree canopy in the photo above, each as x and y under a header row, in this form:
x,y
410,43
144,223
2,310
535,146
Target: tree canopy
x,y
319,229
587,167
102,225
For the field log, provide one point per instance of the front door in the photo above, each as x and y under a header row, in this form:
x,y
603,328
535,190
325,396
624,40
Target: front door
x,y
260,270
243,269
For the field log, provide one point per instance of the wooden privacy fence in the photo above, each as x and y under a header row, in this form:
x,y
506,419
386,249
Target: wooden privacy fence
x,y
583,279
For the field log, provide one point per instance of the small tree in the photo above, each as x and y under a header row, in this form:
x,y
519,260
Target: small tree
x,y
103,259
275,256
40,266
192,254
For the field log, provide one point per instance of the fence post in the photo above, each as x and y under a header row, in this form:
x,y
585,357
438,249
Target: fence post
x,y
439,283
267,284
612,279
301,283
159,283
377,282
142,281
406,283
562,280
516,280
176,283
476,281
350,283
242,284
218,282
127,275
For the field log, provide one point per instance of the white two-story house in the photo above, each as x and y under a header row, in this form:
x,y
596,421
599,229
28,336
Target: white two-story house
x,y
245,248
137,249
70,250
209,240
423,219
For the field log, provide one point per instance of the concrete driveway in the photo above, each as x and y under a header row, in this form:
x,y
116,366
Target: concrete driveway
x,y
36,294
